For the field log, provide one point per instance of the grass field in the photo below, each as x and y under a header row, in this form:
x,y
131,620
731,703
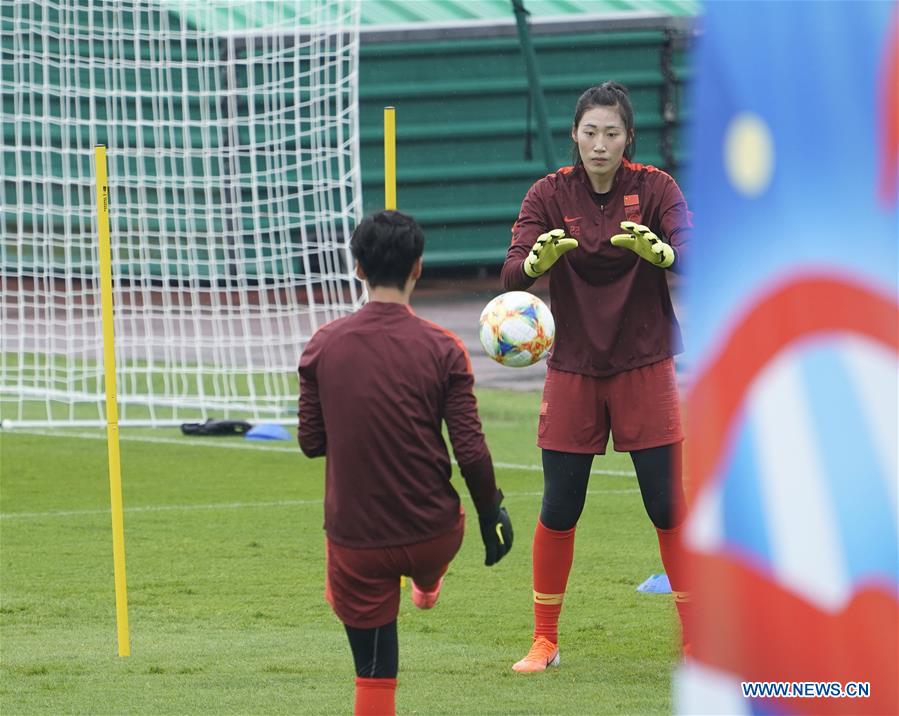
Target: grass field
x,y
225,569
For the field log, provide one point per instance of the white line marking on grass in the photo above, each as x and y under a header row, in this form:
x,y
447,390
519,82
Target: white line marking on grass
x,y
623,491
539,468
237,506
213,442
161,508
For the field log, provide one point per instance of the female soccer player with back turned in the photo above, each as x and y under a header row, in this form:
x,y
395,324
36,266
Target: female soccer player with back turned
x,y
607,231
376,388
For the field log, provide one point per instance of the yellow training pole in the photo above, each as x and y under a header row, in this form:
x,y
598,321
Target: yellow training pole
x,y
389,157
112,409
390,178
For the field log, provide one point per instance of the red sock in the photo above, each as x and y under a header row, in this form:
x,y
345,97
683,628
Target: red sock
x,y
553,554
670,549
375,697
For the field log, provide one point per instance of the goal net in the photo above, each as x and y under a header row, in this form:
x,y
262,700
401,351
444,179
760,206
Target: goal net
x,y
233,163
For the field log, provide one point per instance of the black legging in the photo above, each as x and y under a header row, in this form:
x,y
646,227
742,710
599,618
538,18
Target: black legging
x,y
566,474
376,651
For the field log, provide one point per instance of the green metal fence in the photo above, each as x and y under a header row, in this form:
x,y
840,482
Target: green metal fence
x,y
467,140
467,150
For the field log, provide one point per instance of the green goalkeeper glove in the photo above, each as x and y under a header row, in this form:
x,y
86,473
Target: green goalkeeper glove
x,y
645,244
547,250
496,531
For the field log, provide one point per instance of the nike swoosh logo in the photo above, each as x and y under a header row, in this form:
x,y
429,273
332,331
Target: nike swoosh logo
x,y
570,220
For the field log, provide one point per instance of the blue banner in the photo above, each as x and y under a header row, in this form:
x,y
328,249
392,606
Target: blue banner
x,y
792,332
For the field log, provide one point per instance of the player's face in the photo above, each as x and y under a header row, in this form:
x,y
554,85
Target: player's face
x,y
601,140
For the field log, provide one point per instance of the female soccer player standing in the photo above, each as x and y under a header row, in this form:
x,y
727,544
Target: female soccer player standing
x,y
607,230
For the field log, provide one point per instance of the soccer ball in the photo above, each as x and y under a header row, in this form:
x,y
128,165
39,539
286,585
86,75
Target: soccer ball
x,y
517,329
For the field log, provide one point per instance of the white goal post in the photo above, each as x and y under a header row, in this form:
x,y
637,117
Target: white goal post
x,y
233,160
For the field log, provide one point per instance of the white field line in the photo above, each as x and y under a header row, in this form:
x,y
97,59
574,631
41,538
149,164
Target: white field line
x,y
213,442
159,508
238,506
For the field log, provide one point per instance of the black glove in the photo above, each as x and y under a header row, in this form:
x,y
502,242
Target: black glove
x,y
496,531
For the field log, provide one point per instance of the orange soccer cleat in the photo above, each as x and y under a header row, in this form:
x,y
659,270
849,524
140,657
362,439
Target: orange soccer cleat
x,y
425,600
543,654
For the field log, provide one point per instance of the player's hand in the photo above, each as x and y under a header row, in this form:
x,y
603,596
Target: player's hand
x,y
496,531
546,251
645,244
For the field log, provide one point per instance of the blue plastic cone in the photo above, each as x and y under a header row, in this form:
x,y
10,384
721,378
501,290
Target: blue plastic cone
x,y
268,431
656,584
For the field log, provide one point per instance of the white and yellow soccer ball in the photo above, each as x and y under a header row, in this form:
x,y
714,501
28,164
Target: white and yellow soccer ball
x,y
517,329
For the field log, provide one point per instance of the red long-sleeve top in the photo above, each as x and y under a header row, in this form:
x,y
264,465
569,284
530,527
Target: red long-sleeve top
x,y
375,390
612,309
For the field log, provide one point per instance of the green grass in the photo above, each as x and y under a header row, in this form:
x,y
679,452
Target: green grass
x,y
225,568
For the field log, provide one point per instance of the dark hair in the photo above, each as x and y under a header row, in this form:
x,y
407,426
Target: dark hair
x,y
386,245
608,94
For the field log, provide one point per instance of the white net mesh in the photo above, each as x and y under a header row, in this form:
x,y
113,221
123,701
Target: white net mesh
x,y
232,139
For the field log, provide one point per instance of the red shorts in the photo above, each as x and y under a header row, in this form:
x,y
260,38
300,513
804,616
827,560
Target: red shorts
x,y
363,585
640,407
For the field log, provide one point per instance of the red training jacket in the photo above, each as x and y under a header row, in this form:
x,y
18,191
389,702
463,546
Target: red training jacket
x,y
612,309
375,390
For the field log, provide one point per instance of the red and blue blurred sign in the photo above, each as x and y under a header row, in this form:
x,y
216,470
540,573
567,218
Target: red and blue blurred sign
x,y
793,334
